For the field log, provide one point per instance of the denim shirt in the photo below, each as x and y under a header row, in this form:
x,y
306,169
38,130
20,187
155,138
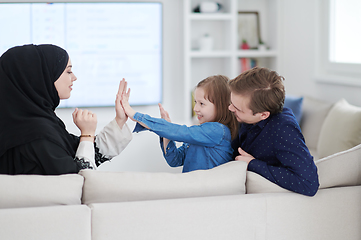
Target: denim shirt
x,y
280,152
205,146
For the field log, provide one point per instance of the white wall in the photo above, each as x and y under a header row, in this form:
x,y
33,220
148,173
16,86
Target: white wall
x,y
298,54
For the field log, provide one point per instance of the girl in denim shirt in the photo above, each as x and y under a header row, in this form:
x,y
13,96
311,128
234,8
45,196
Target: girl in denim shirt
x,y
205,145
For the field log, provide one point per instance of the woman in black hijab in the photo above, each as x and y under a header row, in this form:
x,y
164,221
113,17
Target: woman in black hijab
x,y
33,140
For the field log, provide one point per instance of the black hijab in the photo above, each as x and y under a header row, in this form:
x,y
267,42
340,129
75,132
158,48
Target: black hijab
x,y
28,97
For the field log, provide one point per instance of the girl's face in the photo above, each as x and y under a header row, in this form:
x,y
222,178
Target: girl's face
x,y
205,110
64,83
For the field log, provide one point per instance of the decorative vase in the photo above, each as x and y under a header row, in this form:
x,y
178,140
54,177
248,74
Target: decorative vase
x,y
206,43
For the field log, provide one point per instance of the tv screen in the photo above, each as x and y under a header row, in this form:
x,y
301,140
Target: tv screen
x,y
105,41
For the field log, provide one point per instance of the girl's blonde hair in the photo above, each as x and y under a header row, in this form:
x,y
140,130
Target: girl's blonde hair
x,y
217,91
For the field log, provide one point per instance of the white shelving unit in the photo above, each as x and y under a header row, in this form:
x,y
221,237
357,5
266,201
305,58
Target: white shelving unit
x,y
223,28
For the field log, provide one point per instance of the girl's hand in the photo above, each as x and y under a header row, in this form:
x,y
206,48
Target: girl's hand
x,y
244,156
86,121
121,117
129,111
163,113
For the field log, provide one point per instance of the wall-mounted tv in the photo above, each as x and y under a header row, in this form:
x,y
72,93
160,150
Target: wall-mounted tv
x,y
106,42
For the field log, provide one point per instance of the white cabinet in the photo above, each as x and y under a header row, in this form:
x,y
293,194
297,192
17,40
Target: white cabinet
x,y
222,27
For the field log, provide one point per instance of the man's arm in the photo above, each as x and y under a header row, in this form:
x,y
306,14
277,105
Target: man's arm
x,y
296,171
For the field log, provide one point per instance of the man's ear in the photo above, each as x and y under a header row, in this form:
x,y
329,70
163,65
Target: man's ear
x,y
264,115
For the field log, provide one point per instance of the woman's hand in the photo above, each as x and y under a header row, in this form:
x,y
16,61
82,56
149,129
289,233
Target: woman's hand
x,y
129,111
163,113
121,117
86,121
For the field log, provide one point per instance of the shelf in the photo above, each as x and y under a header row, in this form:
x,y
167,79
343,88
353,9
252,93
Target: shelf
x,y
239,54
223,27
256,53
209,54
210,16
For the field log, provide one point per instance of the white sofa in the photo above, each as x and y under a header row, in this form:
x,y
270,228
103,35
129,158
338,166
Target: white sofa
x,y
226,202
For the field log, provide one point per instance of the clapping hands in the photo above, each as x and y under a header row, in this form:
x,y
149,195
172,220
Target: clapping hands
x,y
121,117
86,121
124,100
123,108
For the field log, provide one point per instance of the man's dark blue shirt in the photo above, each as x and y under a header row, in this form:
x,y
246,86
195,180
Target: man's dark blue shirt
x,y
280,152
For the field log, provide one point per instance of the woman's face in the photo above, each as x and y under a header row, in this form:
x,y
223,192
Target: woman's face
x,y
65,82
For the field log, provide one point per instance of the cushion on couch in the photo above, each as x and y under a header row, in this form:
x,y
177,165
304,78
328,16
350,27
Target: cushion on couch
x,y
314,112
340,169
341,129
295,104
37,190
101,186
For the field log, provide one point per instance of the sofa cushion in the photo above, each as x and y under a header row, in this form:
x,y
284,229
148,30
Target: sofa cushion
x,y
314,112
37,190
295,104
226,179
256,183
206,218
341,129
46,223
340,169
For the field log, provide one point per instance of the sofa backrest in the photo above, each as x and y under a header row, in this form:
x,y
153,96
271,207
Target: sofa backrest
x,y
101,186
37,190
